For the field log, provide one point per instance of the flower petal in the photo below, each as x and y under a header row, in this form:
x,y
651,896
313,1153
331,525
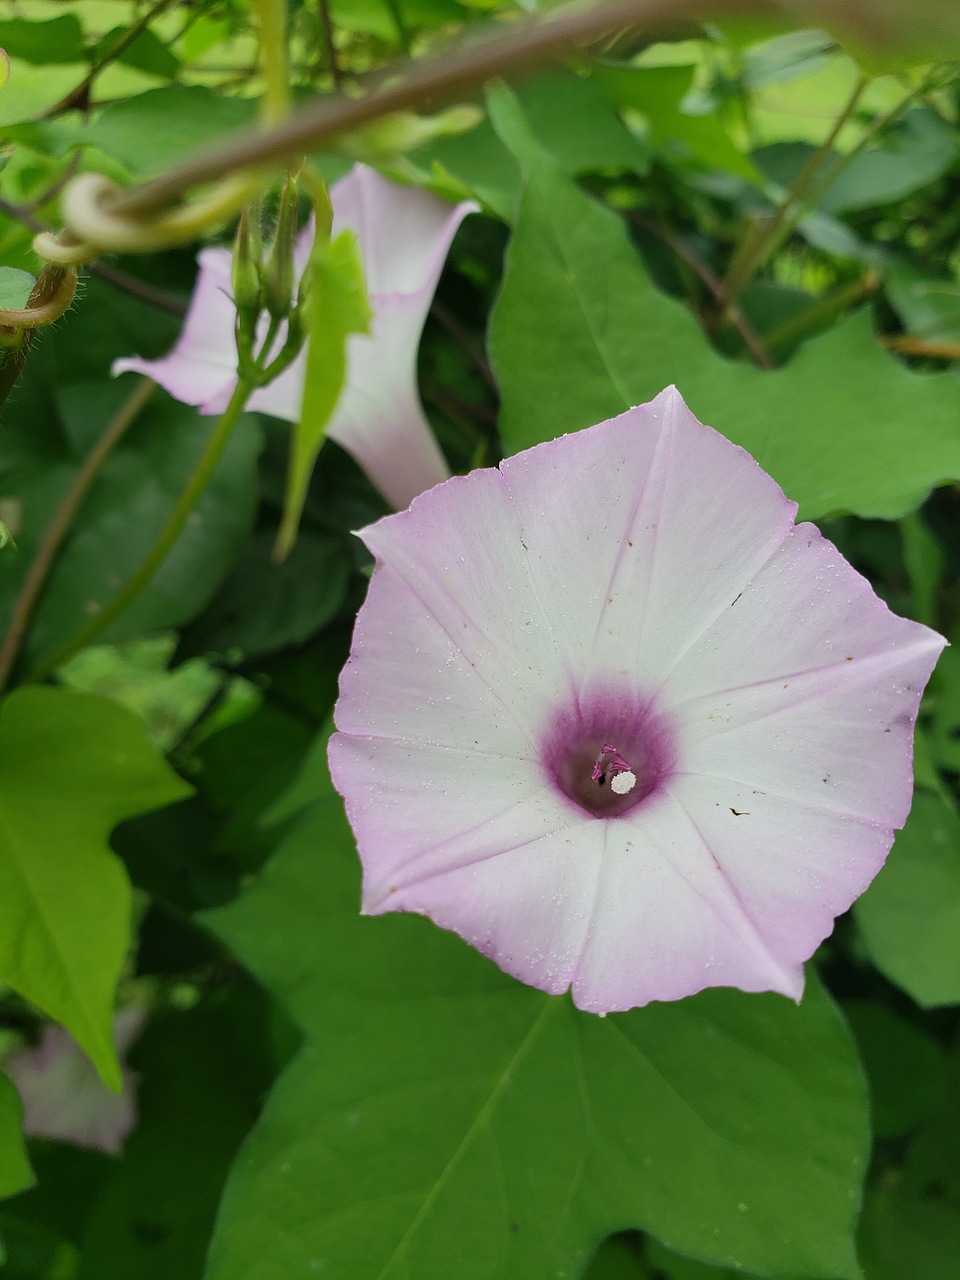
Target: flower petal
x,y
794,867
404,232
202,367
807,686
428,811
497,625
528,909
642,528
638,588
379,419
666,923
64,1097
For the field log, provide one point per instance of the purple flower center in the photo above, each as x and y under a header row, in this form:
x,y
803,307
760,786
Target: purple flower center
x,y
608,752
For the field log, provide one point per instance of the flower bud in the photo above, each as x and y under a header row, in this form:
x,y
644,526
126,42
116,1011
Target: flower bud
x,y
245,271
278,272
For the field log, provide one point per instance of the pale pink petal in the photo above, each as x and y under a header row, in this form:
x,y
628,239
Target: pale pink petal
x,y
527,906
63,1096
792,887
404,236
454,828
201,369
422,690
630,605
404,233
379,418
645,542
666,922
805,645
466,532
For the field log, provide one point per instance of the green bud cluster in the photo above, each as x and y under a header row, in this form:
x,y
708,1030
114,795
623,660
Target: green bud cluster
x,y
264,281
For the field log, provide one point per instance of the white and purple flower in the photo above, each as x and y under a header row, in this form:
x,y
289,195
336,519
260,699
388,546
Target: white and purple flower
x,y
63,1096
404,236
619,722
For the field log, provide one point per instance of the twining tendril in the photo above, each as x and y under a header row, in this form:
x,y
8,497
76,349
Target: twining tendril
x,y
93,225
50,298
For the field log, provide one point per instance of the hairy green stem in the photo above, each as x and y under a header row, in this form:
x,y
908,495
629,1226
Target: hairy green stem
x,y
165,541
56,530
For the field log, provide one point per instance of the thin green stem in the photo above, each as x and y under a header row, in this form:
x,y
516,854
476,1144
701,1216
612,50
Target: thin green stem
x,y
841,163
272,15
165,541
56,530
326,25
403,35
757,249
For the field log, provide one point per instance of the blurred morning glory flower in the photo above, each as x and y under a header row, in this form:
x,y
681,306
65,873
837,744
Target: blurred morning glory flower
x,y
404,236
619,722
63,1096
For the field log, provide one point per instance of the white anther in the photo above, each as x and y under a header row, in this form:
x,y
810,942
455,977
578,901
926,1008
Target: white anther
x,y
622,783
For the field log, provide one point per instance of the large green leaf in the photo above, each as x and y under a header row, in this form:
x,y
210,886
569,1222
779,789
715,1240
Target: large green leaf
x,y
71,767
15,1172
123,513
56,39
156,129
572,118
580,333
445,1120
911,1220
203,1072
910,915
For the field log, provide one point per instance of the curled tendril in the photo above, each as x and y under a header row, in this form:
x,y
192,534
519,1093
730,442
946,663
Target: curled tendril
x,y
94,227
50,298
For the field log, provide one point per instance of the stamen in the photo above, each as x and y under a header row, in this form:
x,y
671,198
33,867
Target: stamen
x,y
611,761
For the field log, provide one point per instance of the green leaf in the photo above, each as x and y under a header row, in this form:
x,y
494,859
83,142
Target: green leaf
x,y
914,152
571,116
71,767
55,40
618,1258
928,306
944,732
335,306
146,53
155,130
15,1172
123,512
671,1266
784,58
910,915
911,1220
442,1111
203,1073
15,288
579,333
658,93
264,606
905,1067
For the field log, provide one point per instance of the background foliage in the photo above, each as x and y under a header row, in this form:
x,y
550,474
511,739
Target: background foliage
x,y
764,214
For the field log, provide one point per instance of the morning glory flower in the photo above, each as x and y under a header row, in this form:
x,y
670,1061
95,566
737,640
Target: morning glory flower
x,y
63,1096
404,236
616,719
